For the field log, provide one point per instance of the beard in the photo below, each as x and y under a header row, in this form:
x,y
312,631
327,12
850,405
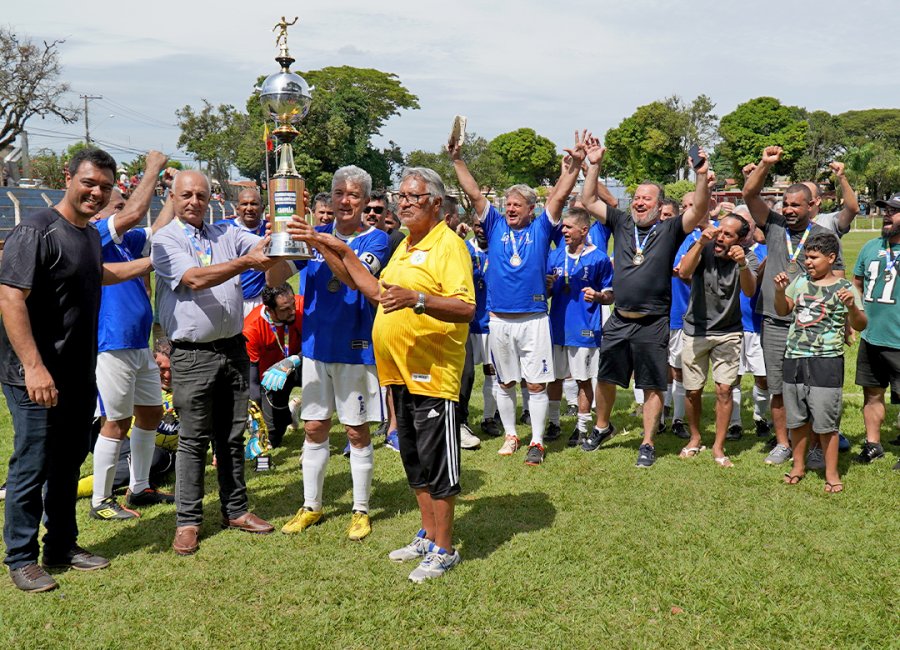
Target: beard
x,y
890,231
648,219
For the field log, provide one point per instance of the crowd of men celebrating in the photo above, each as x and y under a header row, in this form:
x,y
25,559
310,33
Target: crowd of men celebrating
x,y
389,327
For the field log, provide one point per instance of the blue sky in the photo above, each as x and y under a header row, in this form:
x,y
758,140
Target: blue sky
x,y
553,67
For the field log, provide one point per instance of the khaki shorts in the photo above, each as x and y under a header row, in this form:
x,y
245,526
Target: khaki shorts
x,y
722,351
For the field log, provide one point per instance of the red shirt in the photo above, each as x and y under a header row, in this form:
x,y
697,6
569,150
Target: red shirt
x,y
262,346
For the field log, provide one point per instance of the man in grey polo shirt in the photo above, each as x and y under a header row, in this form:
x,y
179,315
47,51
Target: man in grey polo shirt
x,y
786,234
201,308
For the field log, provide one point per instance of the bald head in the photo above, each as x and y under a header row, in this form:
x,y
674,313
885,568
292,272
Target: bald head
x,y
191,175
249,207
190,196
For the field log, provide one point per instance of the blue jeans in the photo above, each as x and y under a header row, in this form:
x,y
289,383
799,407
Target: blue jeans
x,y
49,446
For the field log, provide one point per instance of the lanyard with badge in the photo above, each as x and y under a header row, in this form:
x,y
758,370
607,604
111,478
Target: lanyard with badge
x,y
890,261
639,245
201,244
793,265
286,337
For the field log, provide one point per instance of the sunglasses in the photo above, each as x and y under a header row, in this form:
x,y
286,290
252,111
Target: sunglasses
x,y
377,209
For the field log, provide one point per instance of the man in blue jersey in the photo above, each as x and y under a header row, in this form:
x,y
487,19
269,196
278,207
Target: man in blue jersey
x,y
517,296
339,364
579,276
127,375
636,335
249,218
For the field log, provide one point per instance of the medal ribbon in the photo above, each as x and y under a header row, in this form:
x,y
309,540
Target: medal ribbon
x,y
201,244
794,254
639,245
574,266
286,337
890,260
515,245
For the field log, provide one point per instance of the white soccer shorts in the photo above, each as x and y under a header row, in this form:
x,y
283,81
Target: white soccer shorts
x,y
521,348
126,378
348,388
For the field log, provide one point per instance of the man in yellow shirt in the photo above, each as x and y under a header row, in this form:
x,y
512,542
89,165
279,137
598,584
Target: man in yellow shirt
x,y
426,300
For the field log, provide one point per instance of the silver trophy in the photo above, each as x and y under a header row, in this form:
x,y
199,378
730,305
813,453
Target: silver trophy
x,y
285,98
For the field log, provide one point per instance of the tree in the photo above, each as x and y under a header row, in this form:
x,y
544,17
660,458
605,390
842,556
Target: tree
x,y
678,189
485,164
527,157
870,125
213,135
825,138
48,166
648,145
874,166
761,122
699,126
29,84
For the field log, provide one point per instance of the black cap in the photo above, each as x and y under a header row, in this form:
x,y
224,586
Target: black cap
x,y
893,202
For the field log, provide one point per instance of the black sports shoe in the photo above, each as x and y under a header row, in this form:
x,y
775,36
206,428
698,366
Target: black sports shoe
x,y
3,491
572,410
110,509
735,432
490,427
526,417
598,437
535,455
646,456
148,497
553,432
661,427
33,578
680,430
762,428
576,438
870,451
77,558
382,429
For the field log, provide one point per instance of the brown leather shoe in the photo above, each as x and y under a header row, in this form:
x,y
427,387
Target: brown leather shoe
x,y
187,540
249,523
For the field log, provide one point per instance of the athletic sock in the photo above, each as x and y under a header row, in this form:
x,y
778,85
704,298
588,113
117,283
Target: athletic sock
x,y
526,397
143,442
760,403
315,460
638,395
361,471
677,400
106,455
489,393
506,404
735,407
584,422
553,411
667,399
570,390
540,404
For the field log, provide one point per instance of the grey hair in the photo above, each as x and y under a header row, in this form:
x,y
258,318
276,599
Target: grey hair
x,y
524,191
431,178
356,175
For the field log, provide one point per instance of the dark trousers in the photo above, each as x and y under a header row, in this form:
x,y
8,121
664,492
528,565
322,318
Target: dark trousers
x,y
49,446
465,385
274,405
210,392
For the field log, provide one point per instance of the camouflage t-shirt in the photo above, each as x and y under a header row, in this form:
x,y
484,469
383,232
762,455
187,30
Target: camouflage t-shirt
x,y
819,315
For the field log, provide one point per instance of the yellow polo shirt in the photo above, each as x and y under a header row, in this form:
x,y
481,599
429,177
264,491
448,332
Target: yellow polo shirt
x,y
423,353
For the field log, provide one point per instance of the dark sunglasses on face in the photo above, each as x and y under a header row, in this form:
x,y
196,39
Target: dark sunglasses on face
x,y
377,209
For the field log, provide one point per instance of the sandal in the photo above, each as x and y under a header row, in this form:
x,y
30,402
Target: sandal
x,y
834,488
793,479
724,461
690,452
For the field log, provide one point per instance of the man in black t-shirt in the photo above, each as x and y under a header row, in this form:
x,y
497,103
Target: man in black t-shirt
x,y
636,336
50,281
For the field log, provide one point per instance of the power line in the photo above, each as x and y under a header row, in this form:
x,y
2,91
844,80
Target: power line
x,y
138,116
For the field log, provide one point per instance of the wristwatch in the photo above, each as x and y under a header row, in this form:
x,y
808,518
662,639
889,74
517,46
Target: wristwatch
x,y
419,307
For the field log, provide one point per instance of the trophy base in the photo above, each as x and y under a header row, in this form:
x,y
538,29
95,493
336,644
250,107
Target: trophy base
x,y
285,248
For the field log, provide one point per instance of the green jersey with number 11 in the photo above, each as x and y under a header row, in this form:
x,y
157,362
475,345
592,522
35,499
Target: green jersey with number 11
x,y
881,292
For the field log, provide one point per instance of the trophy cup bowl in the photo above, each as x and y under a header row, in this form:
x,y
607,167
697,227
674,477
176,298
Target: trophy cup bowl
x,y
285,97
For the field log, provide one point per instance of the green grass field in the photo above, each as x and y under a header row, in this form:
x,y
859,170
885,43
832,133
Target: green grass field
x,y
585,551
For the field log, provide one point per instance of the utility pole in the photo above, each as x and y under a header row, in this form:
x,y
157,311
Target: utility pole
x,y
87,127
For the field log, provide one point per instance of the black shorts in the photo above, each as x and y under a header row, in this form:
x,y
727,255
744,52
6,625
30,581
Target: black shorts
x,y
638,346
877,366
429,441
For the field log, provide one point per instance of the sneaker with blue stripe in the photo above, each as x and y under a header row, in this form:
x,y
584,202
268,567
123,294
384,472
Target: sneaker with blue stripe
x,y
414,550
436,563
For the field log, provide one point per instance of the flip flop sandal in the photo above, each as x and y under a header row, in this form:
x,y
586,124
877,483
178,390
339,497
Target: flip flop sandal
x,y
724,461
690,452
834,488
793,479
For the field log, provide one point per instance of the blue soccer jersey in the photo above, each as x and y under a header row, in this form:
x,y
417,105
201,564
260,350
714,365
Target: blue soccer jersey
x,y
681,290
252,281
125,313
337,320
479,324
573,321
750,320
515,276
598,235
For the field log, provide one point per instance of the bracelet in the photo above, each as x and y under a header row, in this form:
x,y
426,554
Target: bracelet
x,y
742,267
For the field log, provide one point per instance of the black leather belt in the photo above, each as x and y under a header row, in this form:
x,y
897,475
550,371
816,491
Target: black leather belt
x,y
218,345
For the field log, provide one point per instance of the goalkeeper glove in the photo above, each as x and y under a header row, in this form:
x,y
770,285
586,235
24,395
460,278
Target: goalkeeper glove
x,y
275,377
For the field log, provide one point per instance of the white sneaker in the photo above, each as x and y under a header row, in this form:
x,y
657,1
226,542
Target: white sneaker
x,y
436,563
510,445
415,549
467,439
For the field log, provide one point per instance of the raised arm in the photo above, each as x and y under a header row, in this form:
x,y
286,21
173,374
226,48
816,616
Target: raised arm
x,y
137,205
589,197
755,183
695,215
466,181
691,259
851,204
566,183
783,304
343,256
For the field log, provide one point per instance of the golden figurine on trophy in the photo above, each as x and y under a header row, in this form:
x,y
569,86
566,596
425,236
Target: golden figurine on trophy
x,y
285,97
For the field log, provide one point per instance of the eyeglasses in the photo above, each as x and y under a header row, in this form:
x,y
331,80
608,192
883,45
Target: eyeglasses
x,y
377,209
891,211
411,198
